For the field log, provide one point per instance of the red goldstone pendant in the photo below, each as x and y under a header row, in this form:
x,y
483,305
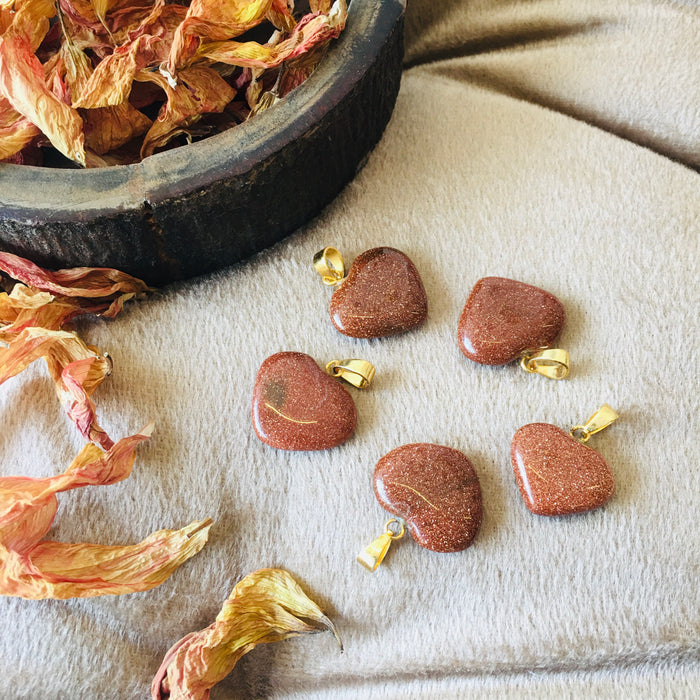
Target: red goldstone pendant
x,y
504,320
296,406
435,490
382,295
556,473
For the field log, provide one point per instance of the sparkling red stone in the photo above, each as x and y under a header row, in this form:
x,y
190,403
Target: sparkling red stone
x,y
504,318
435,490
556,474
382,295
296,406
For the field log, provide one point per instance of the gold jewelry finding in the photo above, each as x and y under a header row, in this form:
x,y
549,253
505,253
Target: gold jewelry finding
x,y
330,265
552,363
373,555
359,373
602,418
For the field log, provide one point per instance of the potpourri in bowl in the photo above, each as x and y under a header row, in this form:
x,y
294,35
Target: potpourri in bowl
x,y
167,140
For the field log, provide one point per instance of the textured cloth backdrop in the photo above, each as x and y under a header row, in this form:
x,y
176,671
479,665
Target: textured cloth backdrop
x,y
552,142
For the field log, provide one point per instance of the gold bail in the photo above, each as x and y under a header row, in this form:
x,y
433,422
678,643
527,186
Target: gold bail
x,y
602,418
552,363
329,264
373,555
359,373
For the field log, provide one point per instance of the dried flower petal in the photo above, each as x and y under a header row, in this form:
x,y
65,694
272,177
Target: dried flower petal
x,y
22,80
146,45
28,506
76,369
102,290
110,84
33,569
214,20
24,307
101,8
22,83
31,20
30,325
6,14
320,5
266,606
31,321
280,15
311,32
106,128
61,570
199,91
88,108
16,131
81,14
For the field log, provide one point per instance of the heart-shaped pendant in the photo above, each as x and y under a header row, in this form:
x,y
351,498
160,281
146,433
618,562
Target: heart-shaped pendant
x,y
556,473
382,295
296,406
435,490
504,320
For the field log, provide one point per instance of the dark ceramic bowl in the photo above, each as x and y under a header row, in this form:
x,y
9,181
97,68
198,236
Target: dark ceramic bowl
x,y
207,205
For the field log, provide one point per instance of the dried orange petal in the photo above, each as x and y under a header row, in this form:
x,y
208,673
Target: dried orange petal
x,y
62,570
266,606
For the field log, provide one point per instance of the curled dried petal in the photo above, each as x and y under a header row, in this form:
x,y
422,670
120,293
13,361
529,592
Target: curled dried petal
x,y
32,318
199,91
311,32
110,84
280,15
30,322
61,570
24,307
102,284
32,21
28,506
76,369
16,131
108,128
82,14
214,20
22,83
266,606
101,7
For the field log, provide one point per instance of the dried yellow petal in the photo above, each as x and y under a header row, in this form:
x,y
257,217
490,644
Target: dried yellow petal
x,y
266,606
200,90
16,131
24,307
22,80
62,570
311,32
214,20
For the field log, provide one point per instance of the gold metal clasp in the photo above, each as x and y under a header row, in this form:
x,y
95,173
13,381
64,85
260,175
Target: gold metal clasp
x,y
107,359
552,363
602,418
330,265
359,373
373,555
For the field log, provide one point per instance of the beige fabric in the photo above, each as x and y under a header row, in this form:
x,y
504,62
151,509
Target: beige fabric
x,y
472,178
627,66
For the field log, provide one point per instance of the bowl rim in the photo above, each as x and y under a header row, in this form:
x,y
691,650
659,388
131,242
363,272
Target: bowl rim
x,y
32,193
